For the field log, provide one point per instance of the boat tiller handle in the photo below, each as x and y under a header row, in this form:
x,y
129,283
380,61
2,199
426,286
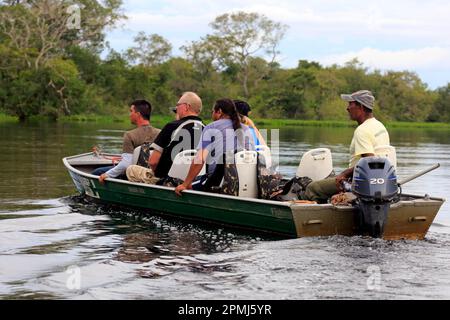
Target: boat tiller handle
x,y
437,165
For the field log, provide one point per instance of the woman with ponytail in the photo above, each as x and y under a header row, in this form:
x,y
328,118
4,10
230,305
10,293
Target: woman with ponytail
x,y
225,108
226,134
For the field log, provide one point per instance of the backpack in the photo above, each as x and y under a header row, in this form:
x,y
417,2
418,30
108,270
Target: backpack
x,y
224,179
169,182
230,184
292,190
144,155
268,180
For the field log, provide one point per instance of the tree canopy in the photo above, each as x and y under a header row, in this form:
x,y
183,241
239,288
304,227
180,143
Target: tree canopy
x,y
50,64
237,40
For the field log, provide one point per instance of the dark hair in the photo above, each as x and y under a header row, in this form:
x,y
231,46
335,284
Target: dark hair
x,y
143,107
365,109
227,106
242,107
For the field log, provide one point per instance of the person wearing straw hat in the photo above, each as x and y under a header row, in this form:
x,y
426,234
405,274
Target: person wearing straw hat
x,y
369,134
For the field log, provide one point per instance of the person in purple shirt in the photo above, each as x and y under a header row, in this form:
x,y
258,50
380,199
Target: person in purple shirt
x,y
226,134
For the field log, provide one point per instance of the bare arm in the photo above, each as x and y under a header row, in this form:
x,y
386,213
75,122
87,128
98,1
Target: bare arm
x,y
249,122
260,137
154,159
194,170
367,155
348,173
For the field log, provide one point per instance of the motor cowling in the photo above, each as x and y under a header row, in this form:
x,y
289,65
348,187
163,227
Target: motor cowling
x,y
375,186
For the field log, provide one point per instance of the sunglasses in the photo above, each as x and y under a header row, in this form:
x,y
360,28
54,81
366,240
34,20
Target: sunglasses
x,y
174,109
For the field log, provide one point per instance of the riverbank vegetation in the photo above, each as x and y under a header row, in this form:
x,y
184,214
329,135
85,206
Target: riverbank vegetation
x,y
156,120
51,65
159,121
7,118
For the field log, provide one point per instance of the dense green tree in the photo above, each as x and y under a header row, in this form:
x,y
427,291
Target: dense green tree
x,y
150,50
441,107
237,39
298,97
37,40
403,96
48,67
43,29
87,62
181,75
50,90
330,105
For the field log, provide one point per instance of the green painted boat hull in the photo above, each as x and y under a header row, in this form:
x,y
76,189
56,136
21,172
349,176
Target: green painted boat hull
x,y
259,215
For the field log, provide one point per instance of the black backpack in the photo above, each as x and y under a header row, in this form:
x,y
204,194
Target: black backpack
x,y
144,155
268,180
226,172
292,190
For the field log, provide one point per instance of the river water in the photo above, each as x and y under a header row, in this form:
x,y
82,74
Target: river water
x,y
55,244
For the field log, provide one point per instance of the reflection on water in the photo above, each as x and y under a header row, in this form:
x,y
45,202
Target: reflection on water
x,y
121,253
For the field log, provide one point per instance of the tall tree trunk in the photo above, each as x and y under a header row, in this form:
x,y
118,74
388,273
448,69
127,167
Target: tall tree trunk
x,y
245,82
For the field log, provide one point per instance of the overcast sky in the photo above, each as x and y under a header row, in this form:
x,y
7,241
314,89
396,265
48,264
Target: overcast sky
x,y
396,34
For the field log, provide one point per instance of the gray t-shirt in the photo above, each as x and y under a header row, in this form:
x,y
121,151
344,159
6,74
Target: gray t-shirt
x,y
219,137
132,139
136,137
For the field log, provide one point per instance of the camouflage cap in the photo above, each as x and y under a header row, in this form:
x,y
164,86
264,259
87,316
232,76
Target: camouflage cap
x,y
364,97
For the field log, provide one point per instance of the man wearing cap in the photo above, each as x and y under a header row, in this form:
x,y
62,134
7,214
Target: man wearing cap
x,y
182,134
368,135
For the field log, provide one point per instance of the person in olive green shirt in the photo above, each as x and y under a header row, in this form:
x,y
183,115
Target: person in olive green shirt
x,y
140,111
370,134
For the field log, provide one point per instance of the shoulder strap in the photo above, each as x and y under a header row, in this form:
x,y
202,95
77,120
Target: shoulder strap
x,y
184,124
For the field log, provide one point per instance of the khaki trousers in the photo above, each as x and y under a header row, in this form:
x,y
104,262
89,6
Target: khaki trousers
x,y
141,174
321,190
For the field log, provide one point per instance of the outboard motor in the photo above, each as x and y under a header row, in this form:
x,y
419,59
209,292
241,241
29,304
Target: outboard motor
x,y
375,185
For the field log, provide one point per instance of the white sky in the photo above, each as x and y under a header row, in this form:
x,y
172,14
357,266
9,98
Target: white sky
x,y
395,35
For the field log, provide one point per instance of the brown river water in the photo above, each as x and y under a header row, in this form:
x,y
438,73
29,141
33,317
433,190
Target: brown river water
x,y
56,245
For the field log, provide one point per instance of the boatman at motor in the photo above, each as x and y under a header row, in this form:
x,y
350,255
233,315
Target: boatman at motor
x,y
179,135
140,111
369,134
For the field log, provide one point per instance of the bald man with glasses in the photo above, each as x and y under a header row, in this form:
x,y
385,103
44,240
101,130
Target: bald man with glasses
x,y
176,136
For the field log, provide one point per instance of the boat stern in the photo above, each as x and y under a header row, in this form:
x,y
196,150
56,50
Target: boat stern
x,y
407,219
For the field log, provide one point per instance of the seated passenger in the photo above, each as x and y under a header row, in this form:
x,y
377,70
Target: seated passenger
x,y
369,134
140,111
182,134
226,134
244,110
